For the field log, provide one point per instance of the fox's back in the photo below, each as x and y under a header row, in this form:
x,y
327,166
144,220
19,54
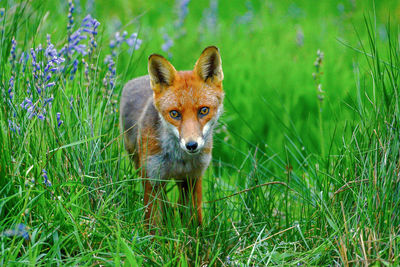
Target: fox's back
x,y
137,111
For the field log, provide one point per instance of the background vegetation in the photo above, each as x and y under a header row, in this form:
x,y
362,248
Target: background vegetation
x,y
306,159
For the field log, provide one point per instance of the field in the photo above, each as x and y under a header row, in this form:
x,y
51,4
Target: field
x,y
306,159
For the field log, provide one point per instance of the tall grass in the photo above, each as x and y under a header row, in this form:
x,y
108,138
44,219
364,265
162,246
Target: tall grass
x,y
69,194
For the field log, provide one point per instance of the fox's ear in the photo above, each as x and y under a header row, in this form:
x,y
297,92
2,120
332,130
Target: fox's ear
x,y
209,65
162,73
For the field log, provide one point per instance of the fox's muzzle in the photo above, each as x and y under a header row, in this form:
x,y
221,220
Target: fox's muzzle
x,y
191,137
192,146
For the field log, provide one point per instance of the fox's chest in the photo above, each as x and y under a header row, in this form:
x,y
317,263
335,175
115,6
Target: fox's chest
x,y
173,162
175,165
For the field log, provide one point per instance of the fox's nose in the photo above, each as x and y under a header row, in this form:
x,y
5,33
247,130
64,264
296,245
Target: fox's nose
x,y
191,146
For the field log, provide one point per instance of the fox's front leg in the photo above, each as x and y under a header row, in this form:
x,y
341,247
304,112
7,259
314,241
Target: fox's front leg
x,y
152,202
191,190
148,200
198,196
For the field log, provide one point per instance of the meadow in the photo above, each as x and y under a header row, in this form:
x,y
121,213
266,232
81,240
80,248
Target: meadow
x,y
306,159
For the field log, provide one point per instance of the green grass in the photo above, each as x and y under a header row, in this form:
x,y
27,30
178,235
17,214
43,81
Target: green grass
x,y
294,180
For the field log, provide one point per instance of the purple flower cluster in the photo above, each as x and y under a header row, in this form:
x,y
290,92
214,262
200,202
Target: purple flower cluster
x,y
71,9
59,121
132,41
11,87
44,66
46,179
90,25
44,70
23,60
13,56
88,28
74,44
110,75
46,63
168,43
74,69
28,105
14,127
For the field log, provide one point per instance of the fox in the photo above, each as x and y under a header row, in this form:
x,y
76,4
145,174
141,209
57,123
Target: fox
x,y
167,119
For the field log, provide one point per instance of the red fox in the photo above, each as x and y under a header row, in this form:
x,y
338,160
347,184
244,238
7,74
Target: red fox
x,y
168,118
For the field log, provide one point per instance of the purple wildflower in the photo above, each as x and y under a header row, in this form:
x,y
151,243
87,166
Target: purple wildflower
x,y
59,121
11,87
14,127
53,59
28,105
133,41
81,49
110,76
71,9
43,72
50,51
90,24
38,89
50,84
168,43
41,116
20,230
31,112
46,179
24,60
74,69
34,64
28,89
2,11
48,101
116,42
12,52
24,57
39,48
73,43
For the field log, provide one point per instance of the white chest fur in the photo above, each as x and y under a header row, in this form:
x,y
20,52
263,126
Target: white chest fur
x,y
173,162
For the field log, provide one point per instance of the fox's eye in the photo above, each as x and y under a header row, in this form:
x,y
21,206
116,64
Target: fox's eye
x,y
174,114
204,111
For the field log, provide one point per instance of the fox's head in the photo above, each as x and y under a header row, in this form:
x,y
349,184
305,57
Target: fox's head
x,y
189,102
